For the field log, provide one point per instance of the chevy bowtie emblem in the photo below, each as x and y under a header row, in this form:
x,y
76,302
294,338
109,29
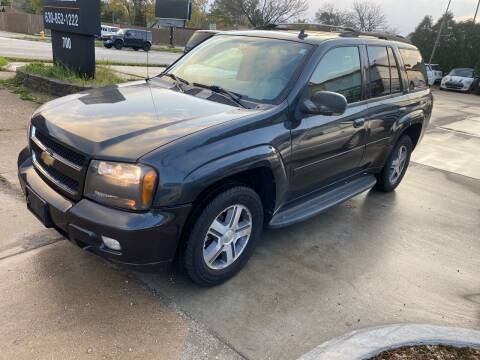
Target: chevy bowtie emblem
x,y
47,158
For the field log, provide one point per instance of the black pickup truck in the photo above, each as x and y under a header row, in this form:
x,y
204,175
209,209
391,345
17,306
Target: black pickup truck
x,y
249,130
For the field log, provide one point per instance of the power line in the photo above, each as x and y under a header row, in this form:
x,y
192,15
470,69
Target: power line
x,y
476,12
437,42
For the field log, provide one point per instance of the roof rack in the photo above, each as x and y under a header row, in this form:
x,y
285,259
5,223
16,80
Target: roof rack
x,y
382,36
306,26
344,31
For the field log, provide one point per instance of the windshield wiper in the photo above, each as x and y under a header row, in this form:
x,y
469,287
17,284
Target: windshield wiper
x,y
236,98
178,80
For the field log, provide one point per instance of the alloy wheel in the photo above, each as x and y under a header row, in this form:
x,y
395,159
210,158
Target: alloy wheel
x,y
227,237
398,164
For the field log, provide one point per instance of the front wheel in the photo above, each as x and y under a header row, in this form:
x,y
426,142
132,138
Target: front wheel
x,y
118,44
146,47
223,236
396,165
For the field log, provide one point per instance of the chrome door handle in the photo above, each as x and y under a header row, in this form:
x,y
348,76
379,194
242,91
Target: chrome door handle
x,y
358,123
402,109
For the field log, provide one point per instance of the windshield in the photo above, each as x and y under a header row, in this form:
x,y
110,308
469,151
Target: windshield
x,y
254,68
468,73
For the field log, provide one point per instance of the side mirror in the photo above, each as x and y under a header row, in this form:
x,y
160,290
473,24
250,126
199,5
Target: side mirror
x,y
325,103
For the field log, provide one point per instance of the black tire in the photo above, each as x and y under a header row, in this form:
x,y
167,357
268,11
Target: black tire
x,y
193,257
118,44
385,182
146,47
108,46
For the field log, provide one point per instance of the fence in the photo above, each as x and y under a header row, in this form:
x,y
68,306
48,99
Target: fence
x,y
33,24
21,23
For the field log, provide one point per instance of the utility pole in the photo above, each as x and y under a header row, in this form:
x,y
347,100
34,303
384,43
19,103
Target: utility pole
x,y
476,12
437,42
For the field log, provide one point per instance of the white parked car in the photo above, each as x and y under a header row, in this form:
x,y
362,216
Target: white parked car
x,y
460,79
108,31
435,74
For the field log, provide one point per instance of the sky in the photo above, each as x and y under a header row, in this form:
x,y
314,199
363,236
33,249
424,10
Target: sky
x,y
405,15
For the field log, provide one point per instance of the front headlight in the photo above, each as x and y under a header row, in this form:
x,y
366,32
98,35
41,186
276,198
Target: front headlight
x,y
128,186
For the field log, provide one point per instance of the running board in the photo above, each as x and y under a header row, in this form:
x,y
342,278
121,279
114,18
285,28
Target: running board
x,y
313,206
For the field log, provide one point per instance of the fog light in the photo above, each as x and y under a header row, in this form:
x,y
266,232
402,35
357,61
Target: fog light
x,y
111,243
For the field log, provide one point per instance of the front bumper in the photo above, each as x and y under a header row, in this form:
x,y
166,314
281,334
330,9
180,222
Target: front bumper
x,y
456,86
148,239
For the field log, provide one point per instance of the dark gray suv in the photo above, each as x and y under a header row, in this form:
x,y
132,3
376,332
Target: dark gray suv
x,y
248,130
130,38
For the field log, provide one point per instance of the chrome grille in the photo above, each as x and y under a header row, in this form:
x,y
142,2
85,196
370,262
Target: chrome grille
x,y
63,168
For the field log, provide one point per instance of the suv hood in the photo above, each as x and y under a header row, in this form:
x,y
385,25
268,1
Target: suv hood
x,y
458,79
127,121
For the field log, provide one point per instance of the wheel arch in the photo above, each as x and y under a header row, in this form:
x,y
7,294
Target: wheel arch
x,y
412,125
260,168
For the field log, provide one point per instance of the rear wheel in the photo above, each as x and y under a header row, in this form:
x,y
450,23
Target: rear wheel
x,y
146,47
223,236
118,44
108,46
396,165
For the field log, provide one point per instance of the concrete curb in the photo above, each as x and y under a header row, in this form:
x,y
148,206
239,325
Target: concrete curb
x,y
365,343
46,85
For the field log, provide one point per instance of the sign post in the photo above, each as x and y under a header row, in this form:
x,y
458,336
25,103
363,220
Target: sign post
x,y
173,14
74,25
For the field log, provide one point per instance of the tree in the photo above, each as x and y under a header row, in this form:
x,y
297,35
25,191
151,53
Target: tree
x,y
200,14
258,12
424,36
268,12
228,13
329,14
363,16
368,17
34,6
459,44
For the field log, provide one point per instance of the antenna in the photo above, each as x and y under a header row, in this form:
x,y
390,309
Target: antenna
x,y
146,36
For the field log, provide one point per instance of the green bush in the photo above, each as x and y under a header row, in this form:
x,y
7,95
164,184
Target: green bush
x,y
103,76
3,62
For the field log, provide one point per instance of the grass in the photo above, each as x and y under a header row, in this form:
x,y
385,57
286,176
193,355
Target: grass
x,y
16,86
99,62
104,76
3,62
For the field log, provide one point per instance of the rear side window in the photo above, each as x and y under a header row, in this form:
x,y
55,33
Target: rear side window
x,y
415,68
339,71
396,84
379,71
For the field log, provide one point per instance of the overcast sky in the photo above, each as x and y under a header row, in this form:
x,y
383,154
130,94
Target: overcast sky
x,y
404,15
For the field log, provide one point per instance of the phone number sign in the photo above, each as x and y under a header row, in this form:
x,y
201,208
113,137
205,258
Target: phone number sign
x,y
72,16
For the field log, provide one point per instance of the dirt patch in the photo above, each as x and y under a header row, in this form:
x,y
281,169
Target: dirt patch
x,y
430,352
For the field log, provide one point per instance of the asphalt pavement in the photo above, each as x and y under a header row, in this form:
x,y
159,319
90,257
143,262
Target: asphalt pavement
x,y
38,50
410,256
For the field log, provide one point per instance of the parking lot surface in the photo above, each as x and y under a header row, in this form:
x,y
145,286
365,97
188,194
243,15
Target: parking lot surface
x,y
410,256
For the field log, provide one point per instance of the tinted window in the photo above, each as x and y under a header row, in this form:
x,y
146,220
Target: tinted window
x,y
379,71
339,71
395,82
415,68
